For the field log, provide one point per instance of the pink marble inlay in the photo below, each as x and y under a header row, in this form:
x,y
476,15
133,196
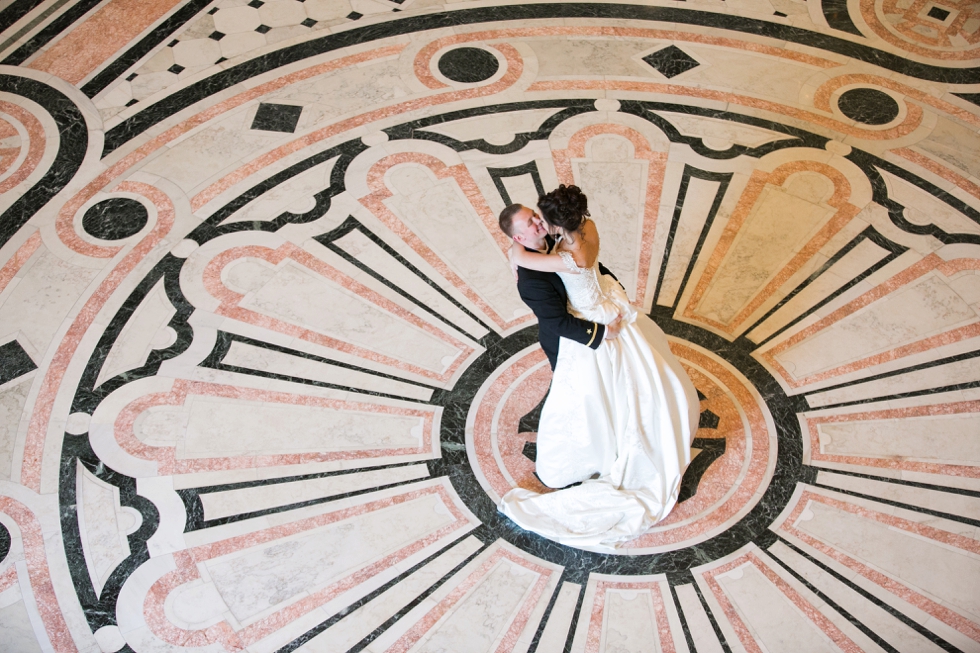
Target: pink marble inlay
x,y
20,257
230,306
657,167
912,120
812,612
908,22
35,146
594,637
166,457
375,202
897,282
38,428
957,408
8,578
517,625
940,170
845,212
38,574
188,561
509,443
937,610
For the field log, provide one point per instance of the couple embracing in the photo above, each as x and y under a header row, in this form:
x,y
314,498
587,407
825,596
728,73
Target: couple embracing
x,y
621,412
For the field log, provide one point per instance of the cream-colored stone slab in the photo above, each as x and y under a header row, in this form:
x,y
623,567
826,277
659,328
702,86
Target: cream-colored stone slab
x,y
615,182
268,360
145,331
479,621
705,640
766,242
210,426
271,576
263,497
521,190
297,295
931,377
294,194
720,133
439,213
103,525
629,623
922,208
13,398
555,632
37,301
949,439
942,572
779,624
947,502
955,144
924,307
700,196
353,628
591,56
864,255
372,255
18,633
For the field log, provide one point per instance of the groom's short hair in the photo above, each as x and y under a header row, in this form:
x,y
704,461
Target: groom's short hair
x,y
506,220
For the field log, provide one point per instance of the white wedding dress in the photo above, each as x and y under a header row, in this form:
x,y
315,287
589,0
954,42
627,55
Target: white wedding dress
x,y
626,411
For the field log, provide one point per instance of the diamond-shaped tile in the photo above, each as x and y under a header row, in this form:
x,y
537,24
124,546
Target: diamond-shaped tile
x,y
262,29
309,22
938,14
221,60
173,43
354,15
213,11
671,61
256,3
217,36
277,117
530,451
15,361
131,77
708,420
176,69
132,102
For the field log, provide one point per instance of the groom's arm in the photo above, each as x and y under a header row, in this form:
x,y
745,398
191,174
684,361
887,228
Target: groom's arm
x,y
552,313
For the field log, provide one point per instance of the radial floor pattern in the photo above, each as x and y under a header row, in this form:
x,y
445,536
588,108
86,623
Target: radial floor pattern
x,y
264,372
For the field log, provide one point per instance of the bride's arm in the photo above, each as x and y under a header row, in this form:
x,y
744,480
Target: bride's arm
x,y
536,261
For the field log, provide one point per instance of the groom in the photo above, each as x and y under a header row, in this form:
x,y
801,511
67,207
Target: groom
x,y
544,292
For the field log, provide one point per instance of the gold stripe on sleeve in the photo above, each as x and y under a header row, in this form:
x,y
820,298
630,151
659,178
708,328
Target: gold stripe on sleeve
x,y
594,330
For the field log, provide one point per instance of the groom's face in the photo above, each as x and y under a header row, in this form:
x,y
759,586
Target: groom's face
x,y
529,228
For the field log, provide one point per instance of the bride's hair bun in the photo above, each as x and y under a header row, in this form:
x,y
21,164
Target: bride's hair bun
x,y
566,207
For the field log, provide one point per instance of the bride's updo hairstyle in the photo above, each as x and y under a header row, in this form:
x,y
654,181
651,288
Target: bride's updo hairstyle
x,y
566,207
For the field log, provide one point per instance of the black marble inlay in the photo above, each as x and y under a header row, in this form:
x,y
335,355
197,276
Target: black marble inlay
x,y
530,451
309,22
938,14
173,43
468,65
256,3
277,117
4,543
132,102
711,450
176,69
354,15
60,24
708,420
835,11
262,29
14,361
529,423
498,175
131,77
671,61
216,35
779,13
868,105
213,11
115,218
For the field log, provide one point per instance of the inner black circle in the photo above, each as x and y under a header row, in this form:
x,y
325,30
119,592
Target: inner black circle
x,y
4,542
868,105
468,65
753,527
115,218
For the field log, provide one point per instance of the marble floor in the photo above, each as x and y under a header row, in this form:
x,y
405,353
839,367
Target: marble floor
x,y
264,373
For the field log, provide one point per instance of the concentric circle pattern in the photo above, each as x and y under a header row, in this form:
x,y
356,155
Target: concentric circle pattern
x,y
265,374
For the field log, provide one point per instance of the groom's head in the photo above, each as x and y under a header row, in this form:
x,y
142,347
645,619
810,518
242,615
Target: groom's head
x,y
524,225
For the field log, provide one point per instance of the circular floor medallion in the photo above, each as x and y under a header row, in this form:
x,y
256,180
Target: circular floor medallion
x,y
868,105
468,65
115,218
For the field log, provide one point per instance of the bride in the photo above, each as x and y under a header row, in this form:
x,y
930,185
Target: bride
x,y
626,412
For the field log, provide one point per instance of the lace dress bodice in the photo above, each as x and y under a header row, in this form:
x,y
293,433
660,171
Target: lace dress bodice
x,y
591,295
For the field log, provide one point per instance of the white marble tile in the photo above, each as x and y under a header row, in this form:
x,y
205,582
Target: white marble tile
x,y
947,502
354,627
263,497
555,632
13,398
18,633
103,525
267,360
705,640
145,331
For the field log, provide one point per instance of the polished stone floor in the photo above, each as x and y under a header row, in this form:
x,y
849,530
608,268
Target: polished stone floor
x,y
264,372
